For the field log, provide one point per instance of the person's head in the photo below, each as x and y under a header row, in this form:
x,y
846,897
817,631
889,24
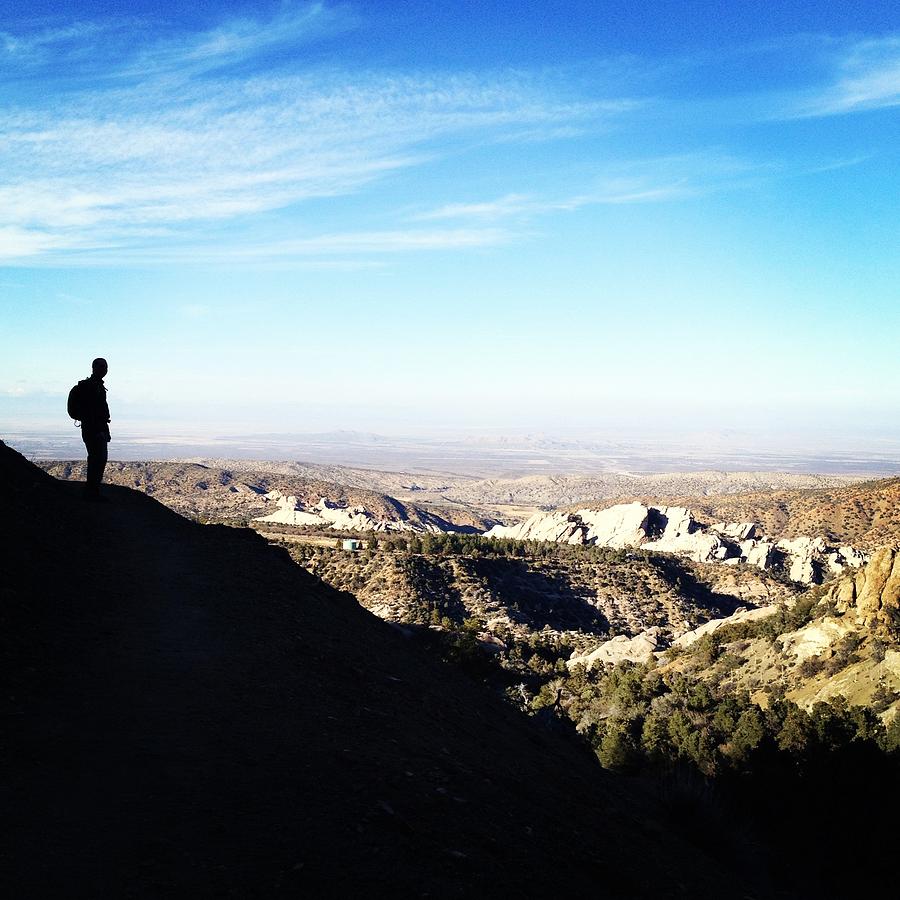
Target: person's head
x,y
99,367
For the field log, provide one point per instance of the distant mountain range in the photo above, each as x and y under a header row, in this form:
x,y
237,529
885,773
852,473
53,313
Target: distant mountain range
x,y
489,454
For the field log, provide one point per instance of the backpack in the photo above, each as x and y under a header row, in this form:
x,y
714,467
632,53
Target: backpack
x,y
76,403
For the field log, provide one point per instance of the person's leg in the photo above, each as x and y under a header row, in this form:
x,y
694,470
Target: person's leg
x,y
90,480
97,452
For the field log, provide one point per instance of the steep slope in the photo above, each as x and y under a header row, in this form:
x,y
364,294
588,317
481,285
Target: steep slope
x,y
789,716
577,593
843,641
187,713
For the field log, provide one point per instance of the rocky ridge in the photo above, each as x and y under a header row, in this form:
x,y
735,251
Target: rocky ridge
x,y
872,594
327,514
865,514
674,529
847,645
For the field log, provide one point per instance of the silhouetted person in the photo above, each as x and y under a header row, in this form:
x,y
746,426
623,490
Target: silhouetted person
x,y
95,427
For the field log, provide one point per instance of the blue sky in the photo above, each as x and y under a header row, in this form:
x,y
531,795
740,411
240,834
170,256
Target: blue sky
x,y
388,216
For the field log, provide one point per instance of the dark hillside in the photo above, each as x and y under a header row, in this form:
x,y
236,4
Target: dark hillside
x,y
188,713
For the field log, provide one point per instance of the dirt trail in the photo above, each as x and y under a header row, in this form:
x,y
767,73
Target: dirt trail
x,y
187,713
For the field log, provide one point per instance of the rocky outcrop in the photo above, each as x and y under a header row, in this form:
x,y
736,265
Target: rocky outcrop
x,y
673,529
560,527
325,513
737,531
619,649
811,560
620,526
816,638
742,615
872,594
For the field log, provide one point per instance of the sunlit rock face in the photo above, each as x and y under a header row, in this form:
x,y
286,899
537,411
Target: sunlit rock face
x,y
291,511
621,648
673,529
872,593
741,615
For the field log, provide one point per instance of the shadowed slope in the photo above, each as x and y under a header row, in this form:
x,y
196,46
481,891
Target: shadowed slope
x,y
188,713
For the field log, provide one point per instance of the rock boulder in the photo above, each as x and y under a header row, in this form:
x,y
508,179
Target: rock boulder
x,y
872,593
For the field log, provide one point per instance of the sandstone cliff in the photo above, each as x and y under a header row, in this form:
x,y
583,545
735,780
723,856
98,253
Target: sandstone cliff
x,y
873,593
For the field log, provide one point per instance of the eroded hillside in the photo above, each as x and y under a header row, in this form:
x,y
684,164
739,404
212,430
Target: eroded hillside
x,y
865,514
519,590
842,640
550,490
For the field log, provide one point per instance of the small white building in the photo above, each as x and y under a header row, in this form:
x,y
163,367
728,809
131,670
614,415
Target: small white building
x,y
351,544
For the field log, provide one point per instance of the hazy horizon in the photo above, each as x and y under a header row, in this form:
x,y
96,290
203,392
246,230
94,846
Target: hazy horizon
x,y
493,452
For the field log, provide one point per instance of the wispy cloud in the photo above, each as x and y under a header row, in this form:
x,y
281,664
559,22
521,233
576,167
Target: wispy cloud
x,y
173,137
350,250
502,207
866,76
238,38
615,191
112,47
183,141
654,180
386,242
20,243
38,46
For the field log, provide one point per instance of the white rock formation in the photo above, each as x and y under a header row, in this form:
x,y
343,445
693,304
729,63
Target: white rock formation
x,y
737,531
844,558
559,527
672,529
741,615
757,553
330,515
624,525
637,649
804,555
810,558
695,545
815,638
